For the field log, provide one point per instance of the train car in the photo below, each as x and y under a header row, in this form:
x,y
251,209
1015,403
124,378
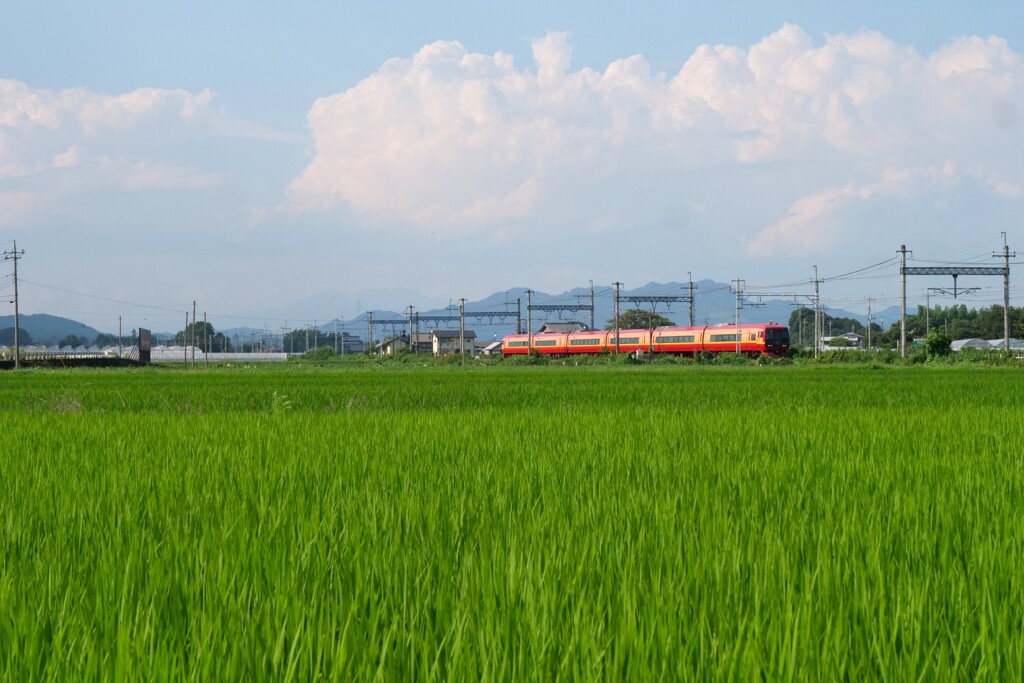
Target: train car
x,y
631,341
548,343
681,340
515,345
726,339
551,343
589,341
776,340
750,339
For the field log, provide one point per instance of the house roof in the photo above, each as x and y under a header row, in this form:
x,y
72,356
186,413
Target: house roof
x,y
453,334
563,327
391,340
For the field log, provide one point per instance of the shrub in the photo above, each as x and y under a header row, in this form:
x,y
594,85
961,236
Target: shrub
x,y
319,354
938,343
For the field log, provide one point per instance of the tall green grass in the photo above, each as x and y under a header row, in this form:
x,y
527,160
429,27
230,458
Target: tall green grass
x,y
512,524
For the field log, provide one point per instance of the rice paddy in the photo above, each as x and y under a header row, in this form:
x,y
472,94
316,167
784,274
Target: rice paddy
x,y
512,523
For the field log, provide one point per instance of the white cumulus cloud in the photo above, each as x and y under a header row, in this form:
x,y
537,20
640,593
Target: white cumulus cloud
x,y
458,140
816,222
22,106
43,130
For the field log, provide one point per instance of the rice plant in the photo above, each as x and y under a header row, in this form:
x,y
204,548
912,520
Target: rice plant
x,y
529,523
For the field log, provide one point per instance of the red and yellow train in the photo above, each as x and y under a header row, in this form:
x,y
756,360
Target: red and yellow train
x,y
751,339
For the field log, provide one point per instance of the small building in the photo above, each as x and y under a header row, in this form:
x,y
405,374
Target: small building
x,y
423,342
448,341
850,339
490,349
391,346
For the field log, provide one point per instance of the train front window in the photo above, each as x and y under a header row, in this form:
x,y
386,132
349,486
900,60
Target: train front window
x,y
777,337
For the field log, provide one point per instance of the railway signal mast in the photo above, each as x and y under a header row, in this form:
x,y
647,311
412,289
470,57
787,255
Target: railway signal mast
x,y
955,271
1006,292
689,298
814,299
654,301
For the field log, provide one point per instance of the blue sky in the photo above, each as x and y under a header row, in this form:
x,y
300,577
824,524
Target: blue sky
x,y
313,159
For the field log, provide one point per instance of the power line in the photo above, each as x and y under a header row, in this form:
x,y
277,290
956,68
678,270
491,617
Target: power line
x,y
105,298
860,270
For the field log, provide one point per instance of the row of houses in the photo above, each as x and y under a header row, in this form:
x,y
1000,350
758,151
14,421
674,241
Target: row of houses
x,y
436,342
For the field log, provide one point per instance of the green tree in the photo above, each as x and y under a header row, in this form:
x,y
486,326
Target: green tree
x,y
306,339
73,340
638,319
320,353
801,327
104,339
203,336
840,342
960,322
7,336
938,343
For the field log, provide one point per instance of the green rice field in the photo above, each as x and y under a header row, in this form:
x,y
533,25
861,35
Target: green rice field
x,y
301,523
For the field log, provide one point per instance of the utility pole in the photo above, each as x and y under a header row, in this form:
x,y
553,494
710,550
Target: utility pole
x,y
869,322
1006,293
927,311
369,329
617,285
739,304
14,255
119,333
462,331
529,323
689,276
206,341
903,300
591,304
408,313
519,316
817,312
194,339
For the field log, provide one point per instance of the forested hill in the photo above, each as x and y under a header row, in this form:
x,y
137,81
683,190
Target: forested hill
x,y
49,329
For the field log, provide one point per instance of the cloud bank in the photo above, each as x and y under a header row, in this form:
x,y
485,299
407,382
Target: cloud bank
x,y
458,141
46,130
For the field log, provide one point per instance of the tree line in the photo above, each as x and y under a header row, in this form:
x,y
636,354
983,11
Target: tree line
x,y
101,340
953,322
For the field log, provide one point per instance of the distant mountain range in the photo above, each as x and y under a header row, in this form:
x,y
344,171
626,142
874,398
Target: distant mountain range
x,y
714,303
